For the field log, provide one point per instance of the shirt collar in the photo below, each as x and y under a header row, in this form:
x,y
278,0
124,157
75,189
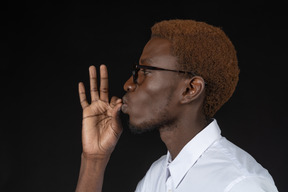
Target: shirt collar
x,y
191,152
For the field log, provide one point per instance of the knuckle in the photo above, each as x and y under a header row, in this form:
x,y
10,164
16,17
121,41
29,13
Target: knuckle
x,y
104,90
94,89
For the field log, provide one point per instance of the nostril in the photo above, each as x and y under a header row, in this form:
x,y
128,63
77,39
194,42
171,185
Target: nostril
x,y
130,88
129,85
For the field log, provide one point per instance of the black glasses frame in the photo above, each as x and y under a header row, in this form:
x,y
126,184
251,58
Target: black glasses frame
x,y
138,67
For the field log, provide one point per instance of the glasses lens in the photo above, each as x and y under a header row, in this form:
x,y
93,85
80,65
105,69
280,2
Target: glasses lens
x,y
135,74
138,75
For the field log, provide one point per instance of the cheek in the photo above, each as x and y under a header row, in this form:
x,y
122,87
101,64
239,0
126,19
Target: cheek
x,y
149,100
151,94
144,105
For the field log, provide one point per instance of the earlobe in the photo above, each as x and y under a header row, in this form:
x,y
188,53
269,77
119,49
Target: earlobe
x,y
194,87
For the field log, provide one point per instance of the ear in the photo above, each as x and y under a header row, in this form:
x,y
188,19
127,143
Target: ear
x,y
194,88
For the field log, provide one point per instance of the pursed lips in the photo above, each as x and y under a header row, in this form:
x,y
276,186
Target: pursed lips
x,y
124,107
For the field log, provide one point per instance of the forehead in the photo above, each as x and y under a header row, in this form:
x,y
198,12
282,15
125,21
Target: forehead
x,y
157,52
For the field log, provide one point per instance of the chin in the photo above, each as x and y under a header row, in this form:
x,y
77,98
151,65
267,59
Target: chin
x,y
140,128
151,125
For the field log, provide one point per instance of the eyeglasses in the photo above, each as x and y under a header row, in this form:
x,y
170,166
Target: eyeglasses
x,y
138,67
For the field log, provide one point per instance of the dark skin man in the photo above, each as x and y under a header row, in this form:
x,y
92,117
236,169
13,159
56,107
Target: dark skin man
x,y
163,100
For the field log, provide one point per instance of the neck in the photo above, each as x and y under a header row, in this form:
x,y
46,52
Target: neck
x,y
178,135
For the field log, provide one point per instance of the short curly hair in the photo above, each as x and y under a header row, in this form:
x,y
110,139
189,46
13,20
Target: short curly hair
x,y
206,51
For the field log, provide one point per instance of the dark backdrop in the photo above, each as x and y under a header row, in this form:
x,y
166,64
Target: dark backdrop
x,y
47,49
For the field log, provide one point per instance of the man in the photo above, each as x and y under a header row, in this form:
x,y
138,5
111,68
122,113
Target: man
x,y
186,72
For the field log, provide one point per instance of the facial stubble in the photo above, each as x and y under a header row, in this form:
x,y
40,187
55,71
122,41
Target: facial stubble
x,y
163,120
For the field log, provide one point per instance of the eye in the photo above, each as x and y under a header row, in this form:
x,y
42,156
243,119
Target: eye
x,y
145,71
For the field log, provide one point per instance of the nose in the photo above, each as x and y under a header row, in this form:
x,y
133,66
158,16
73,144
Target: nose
x,y
129,86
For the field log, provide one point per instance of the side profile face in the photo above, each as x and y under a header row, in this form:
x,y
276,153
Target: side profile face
x,y
153,102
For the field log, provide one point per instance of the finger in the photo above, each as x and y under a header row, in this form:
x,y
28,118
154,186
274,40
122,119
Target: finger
x,y
93,83
116,120
104,83
82,95
114,101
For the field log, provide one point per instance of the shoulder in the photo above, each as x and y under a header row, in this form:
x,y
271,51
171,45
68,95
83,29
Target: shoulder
x,y
226,166
251,184
237,160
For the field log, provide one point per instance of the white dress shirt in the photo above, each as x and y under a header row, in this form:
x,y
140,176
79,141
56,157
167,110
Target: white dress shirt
x,y
207,163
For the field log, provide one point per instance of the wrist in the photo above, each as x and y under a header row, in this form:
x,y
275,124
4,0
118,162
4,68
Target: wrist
x,y
94,164
95,157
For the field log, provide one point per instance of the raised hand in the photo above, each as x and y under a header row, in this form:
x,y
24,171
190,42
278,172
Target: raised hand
x,y
101,125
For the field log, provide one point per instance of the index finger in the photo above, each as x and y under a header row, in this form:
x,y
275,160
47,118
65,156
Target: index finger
x,y
93,84
104,96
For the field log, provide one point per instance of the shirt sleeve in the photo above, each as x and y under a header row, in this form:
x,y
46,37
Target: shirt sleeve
x,y
253,184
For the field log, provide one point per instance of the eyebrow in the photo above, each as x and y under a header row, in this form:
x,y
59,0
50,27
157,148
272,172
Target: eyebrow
x,y
146,60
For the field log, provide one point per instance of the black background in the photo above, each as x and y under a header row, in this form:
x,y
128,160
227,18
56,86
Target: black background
x,y
47,49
